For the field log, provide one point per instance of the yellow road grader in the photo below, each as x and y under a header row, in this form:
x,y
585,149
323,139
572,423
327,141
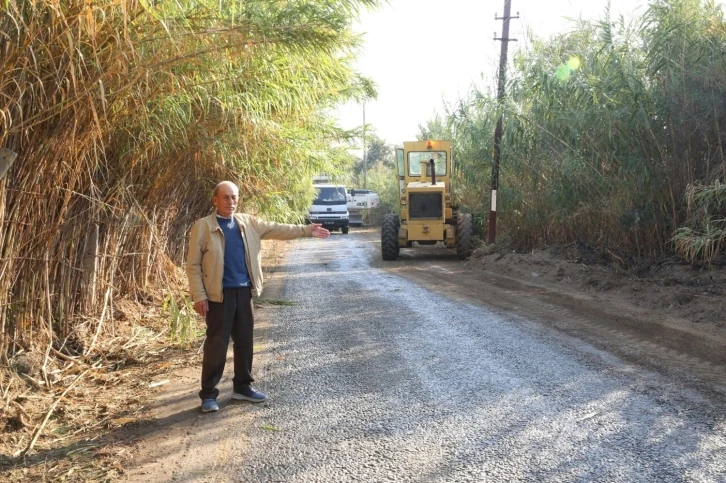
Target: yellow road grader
x,y
428,215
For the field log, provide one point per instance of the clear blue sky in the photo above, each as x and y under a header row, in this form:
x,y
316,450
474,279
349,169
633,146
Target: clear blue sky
x,y
405,39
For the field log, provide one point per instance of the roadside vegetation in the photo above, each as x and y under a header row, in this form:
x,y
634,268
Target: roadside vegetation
x,y
124,114
379,174
614,136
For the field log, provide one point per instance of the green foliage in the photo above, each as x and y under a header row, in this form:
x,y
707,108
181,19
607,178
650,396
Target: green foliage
x,y
377,152
606,128
183,328
381,176
383,179
249,92
704,237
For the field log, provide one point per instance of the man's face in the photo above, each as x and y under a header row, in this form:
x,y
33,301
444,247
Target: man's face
x,y
226,199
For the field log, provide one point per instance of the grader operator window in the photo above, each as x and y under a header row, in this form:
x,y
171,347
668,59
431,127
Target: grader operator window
x,y
416,157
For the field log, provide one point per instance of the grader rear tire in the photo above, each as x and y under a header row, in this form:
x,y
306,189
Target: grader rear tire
x,y
464,236
389,237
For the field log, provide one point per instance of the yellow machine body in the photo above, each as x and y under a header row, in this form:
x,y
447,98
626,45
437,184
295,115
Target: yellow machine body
x,y
428,215
425,196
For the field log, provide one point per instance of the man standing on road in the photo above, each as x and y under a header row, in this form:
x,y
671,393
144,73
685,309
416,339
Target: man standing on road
x,y
224,271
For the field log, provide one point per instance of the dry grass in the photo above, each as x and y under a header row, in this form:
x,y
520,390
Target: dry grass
x,y
86,411
704,237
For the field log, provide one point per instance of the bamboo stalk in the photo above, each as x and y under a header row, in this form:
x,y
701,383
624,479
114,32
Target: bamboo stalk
x,y
7,391
49,322
100,322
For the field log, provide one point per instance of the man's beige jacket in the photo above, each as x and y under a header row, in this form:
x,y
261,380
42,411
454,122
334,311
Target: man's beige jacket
x,y
205,260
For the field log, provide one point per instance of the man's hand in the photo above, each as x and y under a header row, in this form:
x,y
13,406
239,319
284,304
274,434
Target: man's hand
x,y
202,307
319,231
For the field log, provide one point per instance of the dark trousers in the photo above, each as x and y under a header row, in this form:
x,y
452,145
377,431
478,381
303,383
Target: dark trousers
x,y
235,317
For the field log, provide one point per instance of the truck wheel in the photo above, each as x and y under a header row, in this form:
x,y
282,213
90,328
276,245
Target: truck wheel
x,y
344,229
464,236
389,237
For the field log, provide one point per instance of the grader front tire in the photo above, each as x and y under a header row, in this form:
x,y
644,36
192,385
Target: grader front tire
x,y
389,237
464,236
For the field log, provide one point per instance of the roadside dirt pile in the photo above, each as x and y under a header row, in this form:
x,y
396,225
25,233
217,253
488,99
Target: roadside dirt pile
x,y
676,289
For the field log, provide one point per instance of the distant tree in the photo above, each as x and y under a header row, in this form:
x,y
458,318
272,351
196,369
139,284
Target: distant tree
x,y
377,153
435,128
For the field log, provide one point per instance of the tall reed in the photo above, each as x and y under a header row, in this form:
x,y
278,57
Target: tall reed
x,y
607,128
125,114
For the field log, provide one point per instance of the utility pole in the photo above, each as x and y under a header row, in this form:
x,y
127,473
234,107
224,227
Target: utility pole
x,y
365,162
492,231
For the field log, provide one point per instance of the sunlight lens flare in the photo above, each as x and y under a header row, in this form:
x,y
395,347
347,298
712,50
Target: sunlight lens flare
x,y
564,71
573,63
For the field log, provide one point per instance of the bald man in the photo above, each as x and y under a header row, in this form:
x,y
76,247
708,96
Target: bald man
x,y
224,270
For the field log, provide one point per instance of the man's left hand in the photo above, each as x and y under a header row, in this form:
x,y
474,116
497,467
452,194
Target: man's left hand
x,y
319,231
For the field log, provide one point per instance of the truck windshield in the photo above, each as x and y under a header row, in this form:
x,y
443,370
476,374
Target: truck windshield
x,y
330,195
415,158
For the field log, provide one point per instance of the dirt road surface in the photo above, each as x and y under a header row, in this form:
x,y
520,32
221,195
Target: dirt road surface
x,y
433,369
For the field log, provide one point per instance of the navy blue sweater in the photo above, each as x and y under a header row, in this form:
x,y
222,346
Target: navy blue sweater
x,y
235,267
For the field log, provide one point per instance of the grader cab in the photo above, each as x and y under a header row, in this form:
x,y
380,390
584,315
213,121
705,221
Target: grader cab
x,y
428,215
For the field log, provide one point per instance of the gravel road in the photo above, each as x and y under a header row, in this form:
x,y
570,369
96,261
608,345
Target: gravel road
x,y
372,377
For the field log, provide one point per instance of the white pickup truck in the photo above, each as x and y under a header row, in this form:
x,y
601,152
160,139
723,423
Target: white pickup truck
x,y
359,201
